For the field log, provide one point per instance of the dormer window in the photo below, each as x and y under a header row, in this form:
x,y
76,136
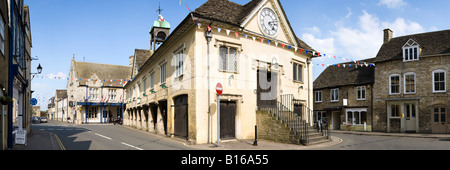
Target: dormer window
x,y
411,51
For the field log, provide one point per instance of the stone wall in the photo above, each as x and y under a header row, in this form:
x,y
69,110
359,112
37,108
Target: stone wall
x,y
424,95
269,128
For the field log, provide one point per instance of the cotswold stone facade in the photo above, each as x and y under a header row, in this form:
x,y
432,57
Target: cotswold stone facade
x,y
170,93
343,96
412,84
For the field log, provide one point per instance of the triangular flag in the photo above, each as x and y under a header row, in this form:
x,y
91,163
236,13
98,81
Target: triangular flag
x,y
268,41
254,38
301,49
307,51
334,57
276,43
219,29
295,48
228,32
282,45
199,25
237,34
245,35
262,40
344,65
290,47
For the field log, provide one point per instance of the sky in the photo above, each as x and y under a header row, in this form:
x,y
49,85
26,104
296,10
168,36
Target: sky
x,y
108,31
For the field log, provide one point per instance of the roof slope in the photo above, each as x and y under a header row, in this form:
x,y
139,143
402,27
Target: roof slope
x,y
226,11
103,72
340,76
431,43
61,94
235,14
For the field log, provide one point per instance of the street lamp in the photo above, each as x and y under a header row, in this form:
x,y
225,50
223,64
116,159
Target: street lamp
x,y
39,69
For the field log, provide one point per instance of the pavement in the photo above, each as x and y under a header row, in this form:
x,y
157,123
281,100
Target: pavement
x,y
44,140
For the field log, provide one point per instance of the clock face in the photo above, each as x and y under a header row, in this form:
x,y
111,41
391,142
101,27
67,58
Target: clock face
x,y
268,22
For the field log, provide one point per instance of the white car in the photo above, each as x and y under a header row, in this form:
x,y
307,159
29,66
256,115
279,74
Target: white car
x,y
43,119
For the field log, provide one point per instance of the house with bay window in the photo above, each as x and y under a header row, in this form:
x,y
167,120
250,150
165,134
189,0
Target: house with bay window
x,y
342,96
407,91
411,89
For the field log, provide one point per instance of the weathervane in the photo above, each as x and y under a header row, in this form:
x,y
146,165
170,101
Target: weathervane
x,y
159,9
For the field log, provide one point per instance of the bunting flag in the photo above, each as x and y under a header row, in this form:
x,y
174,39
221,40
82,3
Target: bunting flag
x,y
296,48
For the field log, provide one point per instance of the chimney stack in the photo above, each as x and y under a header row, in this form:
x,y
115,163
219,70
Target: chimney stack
x,y
388,35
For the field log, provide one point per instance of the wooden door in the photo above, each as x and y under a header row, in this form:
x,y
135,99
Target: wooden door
x,y
227,120
181,116
439,120
266,92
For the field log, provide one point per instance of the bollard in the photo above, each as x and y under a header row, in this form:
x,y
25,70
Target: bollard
x,y
255,143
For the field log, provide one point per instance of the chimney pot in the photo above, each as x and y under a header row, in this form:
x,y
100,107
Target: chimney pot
x,y
388,35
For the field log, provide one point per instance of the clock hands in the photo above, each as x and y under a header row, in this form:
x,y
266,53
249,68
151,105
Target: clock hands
x,y
273,24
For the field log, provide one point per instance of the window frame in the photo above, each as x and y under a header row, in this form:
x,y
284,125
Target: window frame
x,y
359,114
152,81
179,61
404,83
399,84
360,89
227,59
316,95
397,109
434,81
2,36
411,51
162,73
297,70
336,98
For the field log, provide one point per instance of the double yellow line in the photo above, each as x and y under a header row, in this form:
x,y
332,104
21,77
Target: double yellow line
x,y
59,142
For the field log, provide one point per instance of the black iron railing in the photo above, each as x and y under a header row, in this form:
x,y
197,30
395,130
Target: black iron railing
x,y
293,121
294,114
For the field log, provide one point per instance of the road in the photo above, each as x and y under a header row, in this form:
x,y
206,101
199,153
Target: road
x,y
365,142
108,137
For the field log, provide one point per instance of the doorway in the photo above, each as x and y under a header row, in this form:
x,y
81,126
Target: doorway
x,y
181,116
410,117
227,119
163,110
439,119
336,120
266,93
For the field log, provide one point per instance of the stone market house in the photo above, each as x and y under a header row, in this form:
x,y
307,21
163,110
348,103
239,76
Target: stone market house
x,y
412,83
343,96
173,89
95,92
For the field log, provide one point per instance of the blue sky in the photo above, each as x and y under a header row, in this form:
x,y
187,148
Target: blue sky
x,y
108,31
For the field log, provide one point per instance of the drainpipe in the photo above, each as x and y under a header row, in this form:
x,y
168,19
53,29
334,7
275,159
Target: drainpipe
x,y
10,77
208,36
308,62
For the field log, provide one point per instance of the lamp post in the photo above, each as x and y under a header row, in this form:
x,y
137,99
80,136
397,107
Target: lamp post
x,y
39,69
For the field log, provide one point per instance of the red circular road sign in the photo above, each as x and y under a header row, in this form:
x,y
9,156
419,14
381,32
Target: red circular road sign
x,y
219,89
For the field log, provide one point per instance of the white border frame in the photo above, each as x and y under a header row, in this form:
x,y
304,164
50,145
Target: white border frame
x,y
404,83
399,84
445,80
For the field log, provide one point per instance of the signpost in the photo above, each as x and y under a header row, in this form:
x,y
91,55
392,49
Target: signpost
x,y
33,102
219,90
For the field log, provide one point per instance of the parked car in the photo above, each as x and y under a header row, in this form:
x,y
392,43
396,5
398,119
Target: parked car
x,y
35,119
43,119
